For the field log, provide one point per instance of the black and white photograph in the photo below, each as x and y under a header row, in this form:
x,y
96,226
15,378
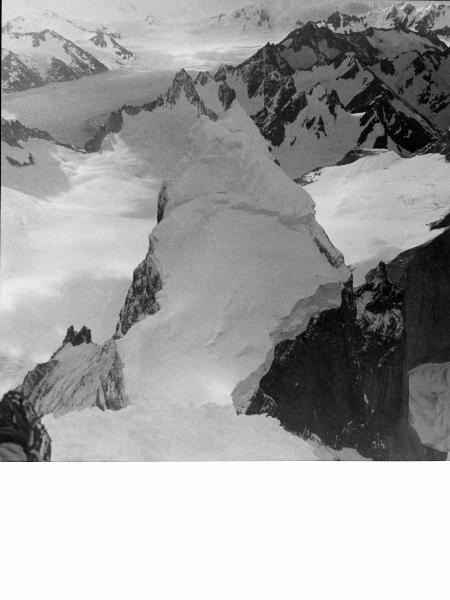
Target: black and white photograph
x,y
225,231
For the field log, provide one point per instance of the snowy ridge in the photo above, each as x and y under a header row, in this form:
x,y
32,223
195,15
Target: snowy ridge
x,y
235,249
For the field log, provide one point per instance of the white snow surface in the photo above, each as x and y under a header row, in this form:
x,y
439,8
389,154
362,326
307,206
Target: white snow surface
x,y
236,253
429,404
379,205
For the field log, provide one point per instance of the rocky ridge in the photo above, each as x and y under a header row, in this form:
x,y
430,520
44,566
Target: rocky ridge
x,y
345,378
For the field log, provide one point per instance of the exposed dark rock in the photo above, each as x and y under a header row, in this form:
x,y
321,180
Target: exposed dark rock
x,y
141,297
226,95
183,82
22,434
355,155
13,132
76,338
162,201
439,146
203,77
345,379
16,163
112,124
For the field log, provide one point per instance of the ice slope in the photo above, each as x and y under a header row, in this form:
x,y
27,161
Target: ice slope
x,y
377,206
236,248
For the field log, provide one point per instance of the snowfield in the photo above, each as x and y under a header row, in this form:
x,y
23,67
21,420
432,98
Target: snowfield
x,y
379,205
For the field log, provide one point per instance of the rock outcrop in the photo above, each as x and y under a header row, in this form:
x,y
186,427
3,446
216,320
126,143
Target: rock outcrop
x,y
23,437
141,297
79,374
345,379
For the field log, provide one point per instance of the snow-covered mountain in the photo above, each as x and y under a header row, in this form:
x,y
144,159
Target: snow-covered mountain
x,y
317,94
284,15
45,47
238,275
33,59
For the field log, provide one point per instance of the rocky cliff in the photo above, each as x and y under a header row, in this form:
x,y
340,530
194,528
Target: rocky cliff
x,y
345,379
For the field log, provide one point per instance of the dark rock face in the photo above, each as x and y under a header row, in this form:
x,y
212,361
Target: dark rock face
x,y
76,338
226,95
141,297
440,146
112,124
345,379
13,132
22,435
383,95
101,39
163,199
183,82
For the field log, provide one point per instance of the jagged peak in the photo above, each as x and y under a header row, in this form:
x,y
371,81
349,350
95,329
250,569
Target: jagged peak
x,y
182,76
222,72
203,77
76,338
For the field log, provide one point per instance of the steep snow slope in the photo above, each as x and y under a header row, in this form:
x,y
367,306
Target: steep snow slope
x,y
229,272
377,206
236,248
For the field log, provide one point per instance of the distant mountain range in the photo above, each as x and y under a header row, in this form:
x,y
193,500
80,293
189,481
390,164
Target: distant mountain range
x,y
44,46
318,94
268,15
51,48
